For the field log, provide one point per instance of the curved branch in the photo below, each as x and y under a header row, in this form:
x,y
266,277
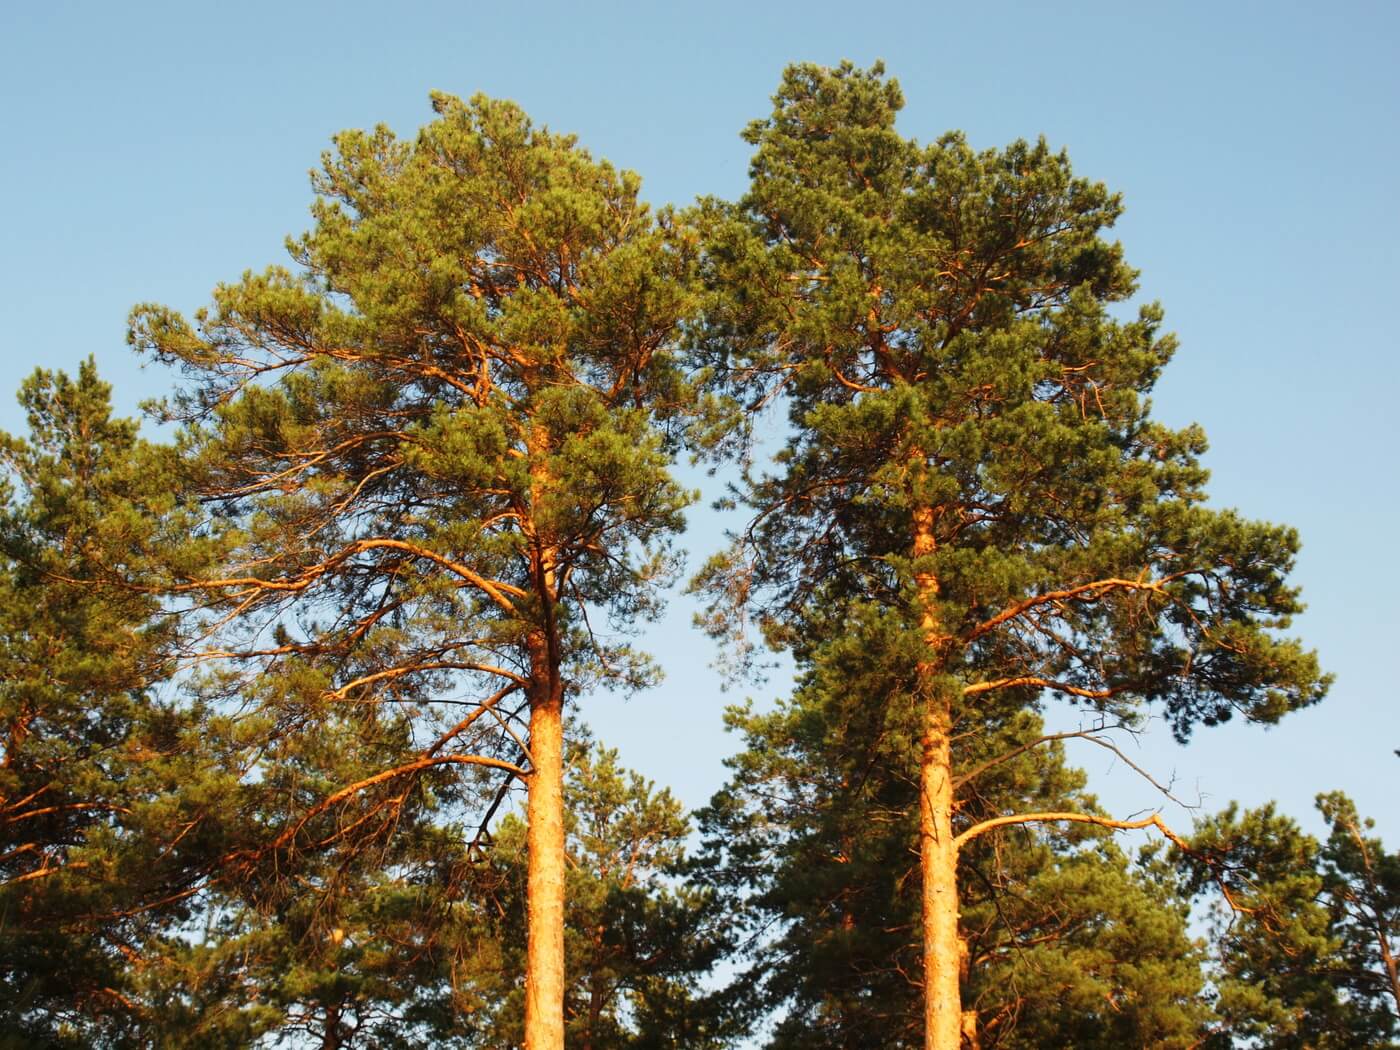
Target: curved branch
x,y
1084,592
1015,752
436,665
1079,734
498,591
45,872
486,705
1154,821
427,762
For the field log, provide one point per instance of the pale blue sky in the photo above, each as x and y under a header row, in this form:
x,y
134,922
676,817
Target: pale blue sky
x,y
153,149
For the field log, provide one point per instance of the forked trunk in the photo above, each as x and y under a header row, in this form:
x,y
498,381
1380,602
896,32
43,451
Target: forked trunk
x,y
544,954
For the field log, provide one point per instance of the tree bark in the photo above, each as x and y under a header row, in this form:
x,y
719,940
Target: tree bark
x,y
544,881
938,852
972,1039
1388,958
330,1038
938,858
544,962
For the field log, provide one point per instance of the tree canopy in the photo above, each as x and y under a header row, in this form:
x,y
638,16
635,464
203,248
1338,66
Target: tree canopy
x,y
815,841
100,846
1306,933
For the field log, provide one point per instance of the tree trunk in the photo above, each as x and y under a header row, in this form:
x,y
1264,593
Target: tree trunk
x,y
544,962
1382,931
938,860
971,1027
544,883
330,1038
972,1038
1388,957
938,855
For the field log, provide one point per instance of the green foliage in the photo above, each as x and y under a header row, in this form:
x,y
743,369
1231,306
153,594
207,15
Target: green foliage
x,y
97,852
1306,932
351,951
972,511
436,463
465,376
424,485
418,938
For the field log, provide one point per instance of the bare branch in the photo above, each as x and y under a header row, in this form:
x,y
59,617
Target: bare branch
x,y
1154,821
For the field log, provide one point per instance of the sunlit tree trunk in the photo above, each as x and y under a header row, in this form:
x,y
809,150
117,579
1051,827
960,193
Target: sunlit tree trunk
x,y
544,973
939,863
544,889
938,855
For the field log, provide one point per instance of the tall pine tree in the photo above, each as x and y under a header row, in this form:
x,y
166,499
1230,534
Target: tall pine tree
x,y
971,464
433,455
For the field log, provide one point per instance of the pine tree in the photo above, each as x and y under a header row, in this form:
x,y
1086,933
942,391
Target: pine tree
x,y
350,945
1362,882
1306,934
971,466
99,854
421,941
433,455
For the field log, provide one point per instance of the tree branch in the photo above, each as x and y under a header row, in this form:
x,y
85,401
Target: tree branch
x,y
1154,821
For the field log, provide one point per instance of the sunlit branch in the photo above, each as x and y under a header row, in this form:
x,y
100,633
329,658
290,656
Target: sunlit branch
x,y
1154,821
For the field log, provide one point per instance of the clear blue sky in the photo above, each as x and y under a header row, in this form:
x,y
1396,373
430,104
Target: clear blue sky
x,y
153,149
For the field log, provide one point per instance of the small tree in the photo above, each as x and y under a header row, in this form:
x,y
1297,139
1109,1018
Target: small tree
x,y
1307,933
972,477
99,849
433,456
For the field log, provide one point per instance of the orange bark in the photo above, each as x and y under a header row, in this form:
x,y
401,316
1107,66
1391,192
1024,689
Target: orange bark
x,y
938,850
544,965
544,880
938,858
